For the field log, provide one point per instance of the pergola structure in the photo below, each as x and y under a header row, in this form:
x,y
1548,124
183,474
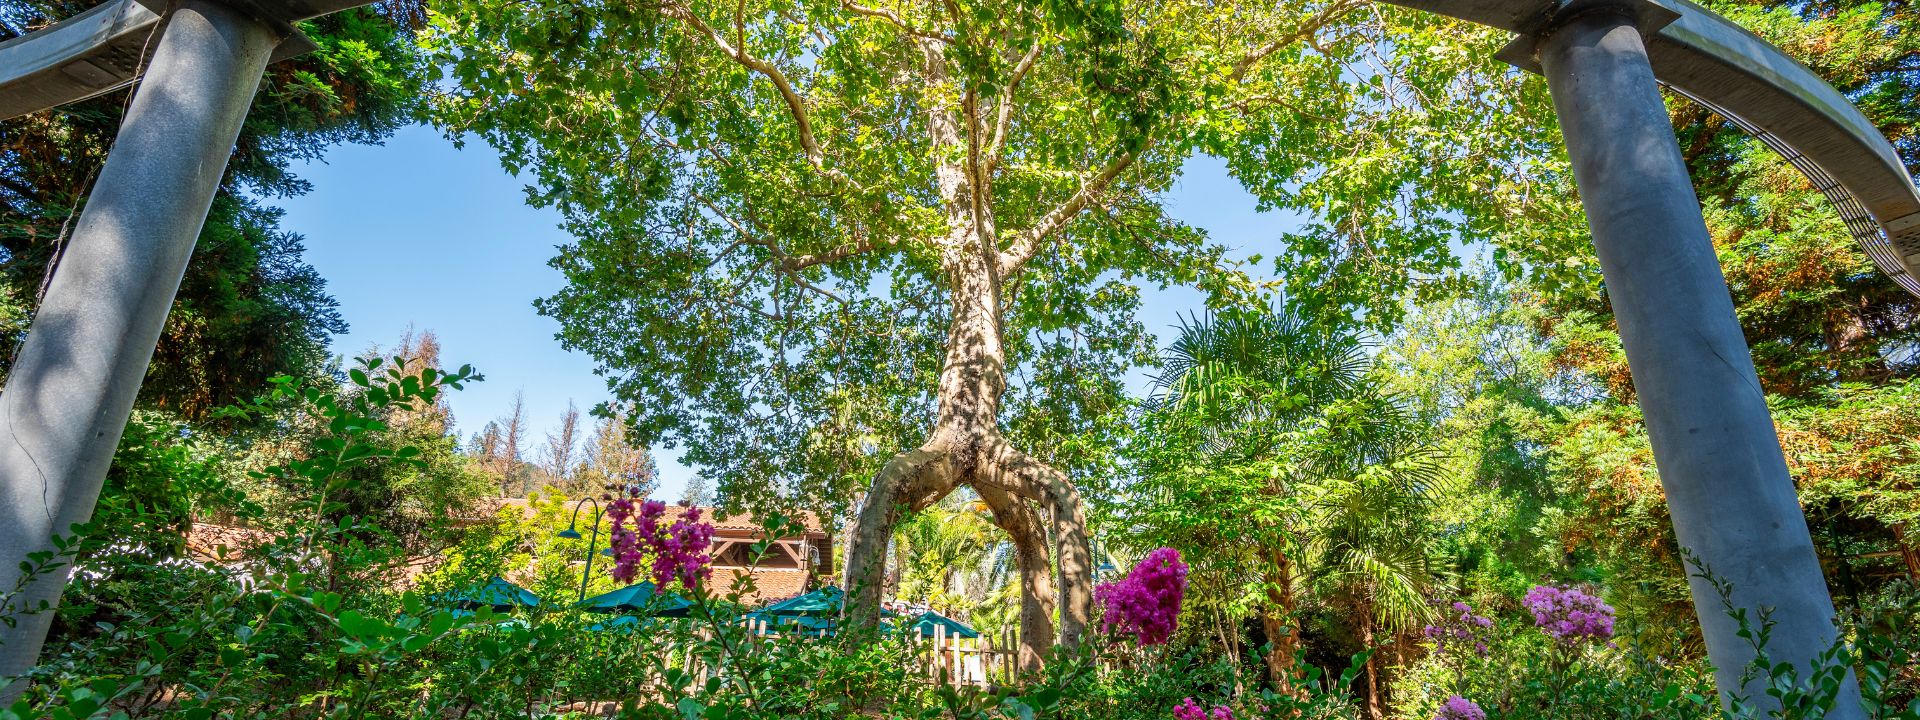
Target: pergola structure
x,y
1733,503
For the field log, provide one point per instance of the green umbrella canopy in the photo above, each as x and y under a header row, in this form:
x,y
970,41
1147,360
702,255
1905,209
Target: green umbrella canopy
x,y
814,612
621,623
824,602
801,623
930,620
496,592
638,597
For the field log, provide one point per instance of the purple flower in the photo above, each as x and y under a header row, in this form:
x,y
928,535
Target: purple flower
x,y
1190,710
1146,603
1461,628
679,551
1569,615
1459,708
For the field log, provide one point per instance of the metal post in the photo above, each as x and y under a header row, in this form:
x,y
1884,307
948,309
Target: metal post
x,y
592,544
73,384
1732,501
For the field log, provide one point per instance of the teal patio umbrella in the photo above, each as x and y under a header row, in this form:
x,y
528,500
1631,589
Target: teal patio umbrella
x,y
825,602
954,628
496,593
621,623
640,597
814,612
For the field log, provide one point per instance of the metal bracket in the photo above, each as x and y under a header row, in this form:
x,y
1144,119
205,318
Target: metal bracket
x,y
275,14
1649,16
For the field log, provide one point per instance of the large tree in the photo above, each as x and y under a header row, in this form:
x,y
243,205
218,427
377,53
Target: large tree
x,y
809,235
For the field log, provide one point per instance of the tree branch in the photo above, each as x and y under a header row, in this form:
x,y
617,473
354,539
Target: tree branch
x,y
860,246
787,264
1307,29
796,105
1028,243
25,191
999,137
894,20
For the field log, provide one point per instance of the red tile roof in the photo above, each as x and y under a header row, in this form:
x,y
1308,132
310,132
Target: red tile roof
x,y
770,583
742,521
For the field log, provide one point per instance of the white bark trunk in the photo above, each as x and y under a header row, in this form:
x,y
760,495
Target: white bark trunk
x,y
965,446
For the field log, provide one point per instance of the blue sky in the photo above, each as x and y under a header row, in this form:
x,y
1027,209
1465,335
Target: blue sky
x,y
418,234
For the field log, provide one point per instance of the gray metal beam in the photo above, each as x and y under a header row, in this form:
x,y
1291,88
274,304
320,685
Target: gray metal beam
x,y
91,53
1731,498
73,384
100,50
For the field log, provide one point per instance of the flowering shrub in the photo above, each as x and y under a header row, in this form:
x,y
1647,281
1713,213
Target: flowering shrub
x,y
1568,614
1190,710
1459,708
1146,603
1460,628
679,551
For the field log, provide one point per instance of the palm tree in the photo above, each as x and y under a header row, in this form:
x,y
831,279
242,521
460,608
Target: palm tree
x,y
1279,419
936,546
1371,544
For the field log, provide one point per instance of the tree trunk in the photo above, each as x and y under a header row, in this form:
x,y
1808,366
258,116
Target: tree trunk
x,y
1373,679
1278,620
1908,552
1022,524
965,446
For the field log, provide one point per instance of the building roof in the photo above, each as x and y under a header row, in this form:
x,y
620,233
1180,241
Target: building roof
x,y
488,508
770,583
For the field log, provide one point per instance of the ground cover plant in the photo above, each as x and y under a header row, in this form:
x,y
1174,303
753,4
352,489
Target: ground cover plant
x,y
310,623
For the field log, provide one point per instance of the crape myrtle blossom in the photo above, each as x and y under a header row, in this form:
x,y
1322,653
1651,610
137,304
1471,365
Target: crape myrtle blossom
x,y
1569,615
1146,603
679,551
1460,629
1190,710
1459,708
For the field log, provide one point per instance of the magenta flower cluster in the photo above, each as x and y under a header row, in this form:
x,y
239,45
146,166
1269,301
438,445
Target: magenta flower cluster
x,y
1569,615
679,551
1460,629
1190,710
1459,708
1146,603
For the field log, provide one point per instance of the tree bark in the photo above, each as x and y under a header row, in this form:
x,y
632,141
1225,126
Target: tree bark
x,y
1908,553
1373,679
965,446
1278,620
1022,523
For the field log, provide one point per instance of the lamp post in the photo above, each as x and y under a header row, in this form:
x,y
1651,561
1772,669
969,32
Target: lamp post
x,y
572,534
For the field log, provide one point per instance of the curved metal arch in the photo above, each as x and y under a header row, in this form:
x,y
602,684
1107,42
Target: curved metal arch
x,y
103,49
1694,51
1720,65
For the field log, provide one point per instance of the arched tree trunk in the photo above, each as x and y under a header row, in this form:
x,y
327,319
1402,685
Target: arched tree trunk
x,y
1022,524
965,446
